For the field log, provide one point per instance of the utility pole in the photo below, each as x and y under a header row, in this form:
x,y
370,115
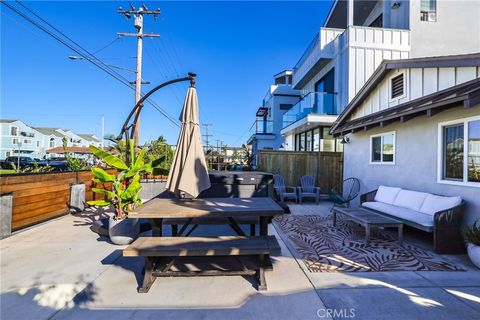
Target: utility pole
x,y
138,24
207,136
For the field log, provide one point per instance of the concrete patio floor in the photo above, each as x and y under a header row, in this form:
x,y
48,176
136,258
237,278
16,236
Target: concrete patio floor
x,y
62,270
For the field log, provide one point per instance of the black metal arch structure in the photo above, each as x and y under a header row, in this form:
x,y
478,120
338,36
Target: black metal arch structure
x,y
128,128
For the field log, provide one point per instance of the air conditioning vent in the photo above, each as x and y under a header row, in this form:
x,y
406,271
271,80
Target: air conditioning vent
x,y
397,86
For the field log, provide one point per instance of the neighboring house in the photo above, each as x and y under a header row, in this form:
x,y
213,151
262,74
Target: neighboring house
x,y
265,132
51,139
354,40
17,138
415,124
89,139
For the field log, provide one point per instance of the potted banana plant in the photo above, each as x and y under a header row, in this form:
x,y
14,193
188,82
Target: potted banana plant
x,y
124,196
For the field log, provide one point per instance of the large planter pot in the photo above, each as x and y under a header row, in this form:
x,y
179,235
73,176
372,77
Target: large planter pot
x,y
124,231
474,254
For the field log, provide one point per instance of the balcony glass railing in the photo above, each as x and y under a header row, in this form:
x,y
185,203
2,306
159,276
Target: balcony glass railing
x,y
261,127
312,103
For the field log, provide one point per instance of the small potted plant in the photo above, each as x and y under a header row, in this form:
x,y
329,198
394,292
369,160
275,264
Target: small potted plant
x,y
124,196
472,237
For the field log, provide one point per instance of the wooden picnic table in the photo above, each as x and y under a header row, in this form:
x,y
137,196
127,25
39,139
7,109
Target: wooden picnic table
x,y
232,209
174,249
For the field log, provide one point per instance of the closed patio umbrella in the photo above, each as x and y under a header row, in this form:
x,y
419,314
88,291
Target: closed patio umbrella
x,y
188,173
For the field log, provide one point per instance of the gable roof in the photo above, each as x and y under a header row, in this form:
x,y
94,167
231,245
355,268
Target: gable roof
x,y
466,94
88,136
464,60
7,121
49,131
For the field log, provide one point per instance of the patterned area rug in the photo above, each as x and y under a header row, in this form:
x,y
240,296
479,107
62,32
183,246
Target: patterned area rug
x,y
325,248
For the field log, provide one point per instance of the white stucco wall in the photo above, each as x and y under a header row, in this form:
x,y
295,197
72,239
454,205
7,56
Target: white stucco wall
x,y
456,31
415,165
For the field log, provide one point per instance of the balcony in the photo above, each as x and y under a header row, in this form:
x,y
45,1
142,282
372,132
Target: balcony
x,y
320,51
262,127
382,43
320,103
27,134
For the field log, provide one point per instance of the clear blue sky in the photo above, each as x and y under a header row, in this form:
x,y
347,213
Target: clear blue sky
x,y
235,47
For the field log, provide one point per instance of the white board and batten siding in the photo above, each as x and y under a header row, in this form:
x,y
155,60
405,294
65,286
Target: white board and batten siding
x,y
418,82
368,48
358,53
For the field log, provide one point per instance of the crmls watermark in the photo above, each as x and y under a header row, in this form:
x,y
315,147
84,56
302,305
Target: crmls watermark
x,y
343,313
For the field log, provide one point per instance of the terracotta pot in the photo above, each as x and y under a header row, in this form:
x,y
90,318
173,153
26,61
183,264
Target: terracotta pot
x,y
474,254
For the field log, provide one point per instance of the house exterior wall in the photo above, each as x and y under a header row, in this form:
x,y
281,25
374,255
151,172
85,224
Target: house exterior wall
x,y
419,82
416,152
29,138
456,31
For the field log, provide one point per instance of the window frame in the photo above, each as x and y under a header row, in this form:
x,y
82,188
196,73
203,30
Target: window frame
x,y
381,162
440,151
16,128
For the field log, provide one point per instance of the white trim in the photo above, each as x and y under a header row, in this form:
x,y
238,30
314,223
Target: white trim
x,y
381,162
440,179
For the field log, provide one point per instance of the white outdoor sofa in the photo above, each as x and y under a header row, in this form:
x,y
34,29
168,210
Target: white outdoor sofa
x,y
436,214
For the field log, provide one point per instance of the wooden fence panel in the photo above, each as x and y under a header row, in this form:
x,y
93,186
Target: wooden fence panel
x,y
42,196
327,167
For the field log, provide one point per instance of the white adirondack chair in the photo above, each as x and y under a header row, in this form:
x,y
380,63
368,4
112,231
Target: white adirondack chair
x,y
307,189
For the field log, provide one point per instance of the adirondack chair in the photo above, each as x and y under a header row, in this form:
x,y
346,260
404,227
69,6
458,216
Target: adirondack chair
x,y
307,189
284,192
345,192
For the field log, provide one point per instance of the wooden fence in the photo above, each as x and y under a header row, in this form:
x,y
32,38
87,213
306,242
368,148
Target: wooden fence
x,y
327,167
42,196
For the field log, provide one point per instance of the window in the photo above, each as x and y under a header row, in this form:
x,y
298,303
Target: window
x,y
52,142
459,154
428,10
309,146
14,131
316,139
284,106
397,85
383,148
28,141
38,144
325,94
15,141
302,142
378,22
8,154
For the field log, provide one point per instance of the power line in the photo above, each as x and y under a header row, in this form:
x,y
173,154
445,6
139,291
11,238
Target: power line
x,y
88,56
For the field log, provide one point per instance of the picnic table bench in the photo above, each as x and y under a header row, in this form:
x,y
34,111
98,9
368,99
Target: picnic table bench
x,y
162,254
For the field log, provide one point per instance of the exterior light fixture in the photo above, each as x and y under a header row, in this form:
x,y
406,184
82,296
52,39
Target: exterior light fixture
x,y
396,5
345,140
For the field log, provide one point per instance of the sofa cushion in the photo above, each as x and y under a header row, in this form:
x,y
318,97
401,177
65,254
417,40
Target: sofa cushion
x,y
402,213
386,194
410,199
435,203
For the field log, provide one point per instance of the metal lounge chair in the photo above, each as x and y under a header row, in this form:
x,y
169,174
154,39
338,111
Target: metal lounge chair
x,y
343,193
284,192
307,189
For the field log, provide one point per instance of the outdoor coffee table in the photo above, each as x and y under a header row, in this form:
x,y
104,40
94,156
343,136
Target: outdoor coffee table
x,y
369,220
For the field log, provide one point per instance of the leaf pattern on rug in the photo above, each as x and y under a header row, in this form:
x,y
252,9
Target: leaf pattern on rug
x,y
325,248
